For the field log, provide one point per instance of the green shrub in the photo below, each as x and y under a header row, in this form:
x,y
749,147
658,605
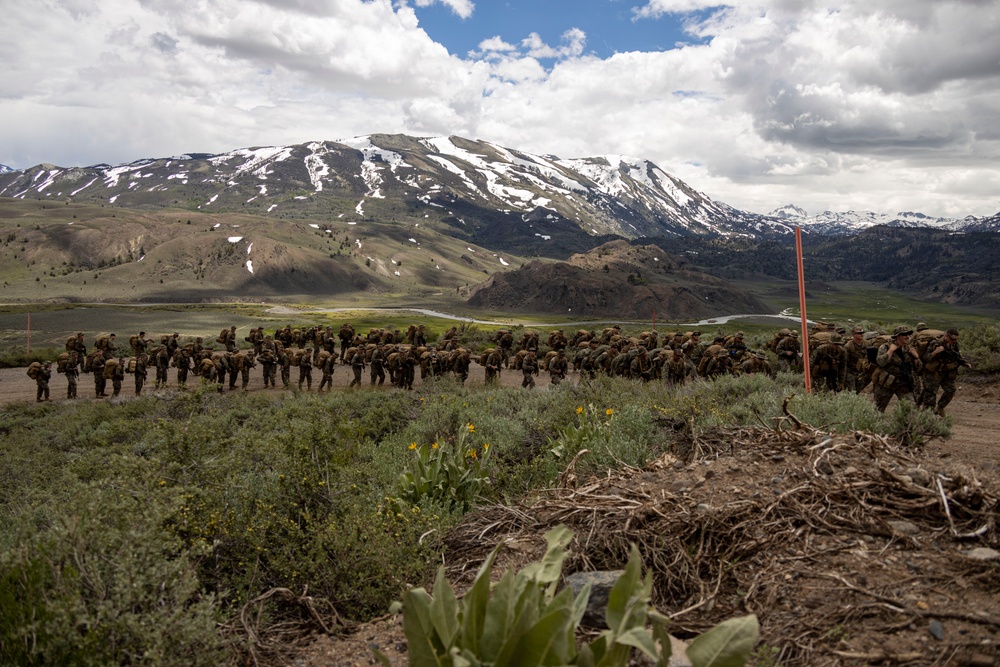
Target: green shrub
x,y
105,583
450,472
981,346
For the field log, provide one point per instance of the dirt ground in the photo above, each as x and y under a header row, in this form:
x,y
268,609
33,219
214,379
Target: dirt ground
x,y
866,556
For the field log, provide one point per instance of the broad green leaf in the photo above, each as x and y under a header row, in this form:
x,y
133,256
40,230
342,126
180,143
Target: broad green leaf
x,y
474,605
623,591
419,629
638,638
531,648
728,644
499,617
444,610
549,569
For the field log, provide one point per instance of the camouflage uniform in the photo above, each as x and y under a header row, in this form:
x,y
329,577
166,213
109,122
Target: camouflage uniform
x,y
42,378
897,364
97,368
558,367
858,368
117,377
494,362
139,372
829,364
788,350
357,366
941,363
327,367
529,368
676,369
305,369
72,372
378,365
756,363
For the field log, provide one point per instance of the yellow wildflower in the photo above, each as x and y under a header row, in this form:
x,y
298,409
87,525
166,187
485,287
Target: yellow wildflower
x,y
609,412
579,409
486,447
472,427
472,454
434,445
413,445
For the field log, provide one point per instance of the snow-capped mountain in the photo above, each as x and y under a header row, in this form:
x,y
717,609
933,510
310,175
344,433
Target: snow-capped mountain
x,y
468,186
474,182
854,222
4,169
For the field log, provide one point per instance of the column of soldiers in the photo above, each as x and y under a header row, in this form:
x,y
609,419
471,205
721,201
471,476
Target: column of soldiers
x,y
894,365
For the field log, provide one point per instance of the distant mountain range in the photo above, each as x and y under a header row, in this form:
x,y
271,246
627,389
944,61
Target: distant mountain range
x,y
500,197
854,222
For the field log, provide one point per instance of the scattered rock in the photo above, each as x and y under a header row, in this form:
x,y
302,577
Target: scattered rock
x,y
919,476
601,583
824,467
904,527
983,553
936,629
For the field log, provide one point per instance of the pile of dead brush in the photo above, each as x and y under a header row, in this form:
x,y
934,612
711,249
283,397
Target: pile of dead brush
x,y
850,548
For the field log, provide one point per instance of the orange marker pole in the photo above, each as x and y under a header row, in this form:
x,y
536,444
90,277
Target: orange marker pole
x,y
802,308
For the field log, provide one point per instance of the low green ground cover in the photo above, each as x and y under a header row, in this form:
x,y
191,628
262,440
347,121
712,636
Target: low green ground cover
x,y
128,532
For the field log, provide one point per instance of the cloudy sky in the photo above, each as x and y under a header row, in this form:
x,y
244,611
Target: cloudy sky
x,y
884,105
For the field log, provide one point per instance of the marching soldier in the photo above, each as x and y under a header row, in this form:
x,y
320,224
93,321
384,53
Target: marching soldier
x,y
529,368
558,367
829,363
42,376
858,373
677,369
756,363
378,365
789,350
357,362
941,363
139,372
897,362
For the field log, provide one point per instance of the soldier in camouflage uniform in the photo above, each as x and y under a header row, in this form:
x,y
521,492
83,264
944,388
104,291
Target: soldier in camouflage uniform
x,y
357,362
72,372
117,376
941,363
328,365
677,369
42,378
493,364
558,367
97,369
829,364
378,365
858,372
305,369
756,363
897,362
529,368
230,340
139,372
788,350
